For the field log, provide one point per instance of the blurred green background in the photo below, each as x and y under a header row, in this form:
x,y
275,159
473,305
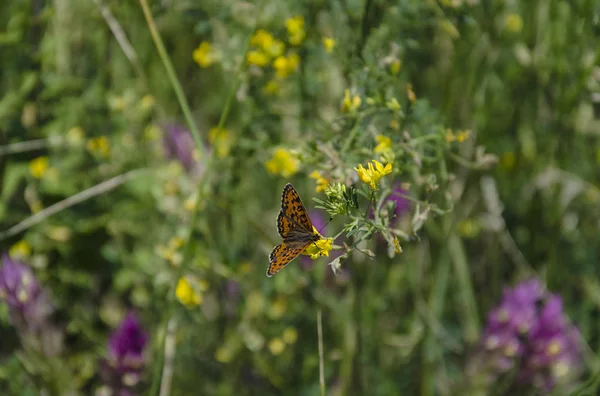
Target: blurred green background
x,y
493,111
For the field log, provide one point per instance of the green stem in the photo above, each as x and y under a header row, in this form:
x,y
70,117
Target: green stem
x,y
466,294
173,79
353,133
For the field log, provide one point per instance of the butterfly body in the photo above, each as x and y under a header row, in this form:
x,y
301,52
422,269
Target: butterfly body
x,y
296,229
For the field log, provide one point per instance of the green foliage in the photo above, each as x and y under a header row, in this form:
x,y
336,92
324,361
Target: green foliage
x,y
485,111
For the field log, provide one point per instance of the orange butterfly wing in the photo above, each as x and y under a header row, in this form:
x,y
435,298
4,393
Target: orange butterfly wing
x,y
293,214
282,254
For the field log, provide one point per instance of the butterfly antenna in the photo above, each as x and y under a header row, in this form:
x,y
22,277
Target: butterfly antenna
x,y
331,218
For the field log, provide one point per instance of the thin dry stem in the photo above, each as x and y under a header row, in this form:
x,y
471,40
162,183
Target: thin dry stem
x,y
96,190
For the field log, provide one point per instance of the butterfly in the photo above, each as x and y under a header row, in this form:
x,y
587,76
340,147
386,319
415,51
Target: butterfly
x,y
296,229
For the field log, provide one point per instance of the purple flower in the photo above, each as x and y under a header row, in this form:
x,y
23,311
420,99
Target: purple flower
x,y
178,144
553,354
123,368
28,303
402,204
528,332
517,312
126,344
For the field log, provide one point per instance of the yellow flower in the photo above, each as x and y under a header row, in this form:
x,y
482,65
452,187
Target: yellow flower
x,y
170,254
186,294
462,135
276,346
350,103
36,206
319,248
269,45
290,335
147,102
204,55
75,136
286,65
38,167
329,44
275,48
468,228
384,143
322,182
59,233
99,146
295,28
513,23
262,39
272,87
258,58
372,175
152,133
397,247
222,140
410,93
283,163
20,249
190,203
395,66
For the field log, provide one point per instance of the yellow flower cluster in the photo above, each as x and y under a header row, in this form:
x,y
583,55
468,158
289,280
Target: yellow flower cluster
x,y
397,247
222,140
322,182
204,55
188,294
320,248
329,44
460,136
38,167
20,249
384,144
351,103
99,146
373,174
75,136
286,65
395,66
513,23
267,49
283,163
410,93
171,252
277,345
266,43
295,28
